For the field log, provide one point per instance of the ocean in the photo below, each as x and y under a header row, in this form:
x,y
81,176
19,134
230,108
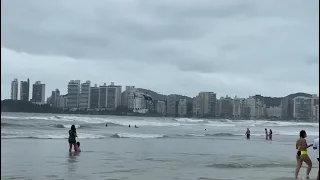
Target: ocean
x,y
35,146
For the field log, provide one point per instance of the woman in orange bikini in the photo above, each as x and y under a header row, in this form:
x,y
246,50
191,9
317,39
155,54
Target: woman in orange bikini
x,y
302,154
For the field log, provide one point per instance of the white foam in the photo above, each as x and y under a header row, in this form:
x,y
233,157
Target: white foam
x,y
48,136
128,135
188,120
220,124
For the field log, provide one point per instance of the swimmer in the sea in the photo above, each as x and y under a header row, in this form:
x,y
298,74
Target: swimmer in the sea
x,y
270,134
248,133
106,124
266,131
302,154
129,126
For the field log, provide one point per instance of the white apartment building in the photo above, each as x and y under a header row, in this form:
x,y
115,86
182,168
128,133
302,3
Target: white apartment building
x,y
171,105
103,96
73,94
61,101
84,102
237,104
205,103
182,107
302,107
161,108
196,109
14,89
113,96
127,98
257,108
139,103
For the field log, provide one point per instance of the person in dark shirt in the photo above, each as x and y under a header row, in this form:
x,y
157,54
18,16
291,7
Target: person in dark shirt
x,y
72,137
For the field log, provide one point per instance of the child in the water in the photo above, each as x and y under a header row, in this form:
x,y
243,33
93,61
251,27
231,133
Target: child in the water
x,y
77,147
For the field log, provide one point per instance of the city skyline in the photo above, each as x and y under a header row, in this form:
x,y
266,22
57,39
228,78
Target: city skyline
x,y
63,90
229,47
84,97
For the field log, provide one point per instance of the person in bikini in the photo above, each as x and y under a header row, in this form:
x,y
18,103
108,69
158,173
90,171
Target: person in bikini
x,y
302,154
266,132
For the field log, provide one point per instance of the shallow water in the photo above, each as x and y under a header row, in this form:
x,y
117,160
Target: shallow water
x,y
33,146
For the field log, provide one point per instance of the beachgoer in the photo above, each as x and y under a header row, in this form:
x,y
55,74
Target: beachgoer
x,y
248,133
72,137
316,147
270,134
302,154
77,147
266,131
129,125
107,125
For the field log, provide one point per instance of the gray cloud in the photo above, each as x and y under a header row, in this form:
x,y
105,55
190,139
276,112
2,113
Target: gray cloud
x,y
231,47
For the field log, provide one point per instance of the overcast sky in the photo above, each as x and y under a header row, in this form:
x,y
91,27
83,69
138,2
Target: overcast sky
x,y
231,47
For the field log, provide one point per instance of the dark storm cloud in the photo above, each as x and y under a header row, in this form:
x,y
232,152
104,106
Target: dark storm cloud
x,y
249,39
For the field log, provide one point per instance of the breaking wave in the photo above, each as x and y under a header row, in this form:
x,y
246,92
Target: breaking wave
x,y
235,165
143,136
160,122
47,136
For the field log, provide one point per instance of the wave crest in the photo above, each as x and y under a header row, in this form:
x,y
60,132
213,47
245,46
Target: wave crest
x,y
143,136
250,165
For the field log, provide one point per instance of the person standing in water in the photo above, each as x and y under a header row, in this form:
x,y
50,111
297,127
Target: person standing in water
x,y
316,147
266,131
248,133
302,154
72,137
270,134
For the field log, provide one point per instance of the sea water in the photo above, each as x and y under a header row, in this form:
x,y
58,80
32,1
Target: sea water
x,y
35,146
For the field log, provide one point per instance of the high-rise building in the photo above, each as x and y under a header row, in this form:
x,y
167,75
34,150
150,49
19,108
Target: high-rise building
x,y
73,94
196,109
226,107
14,89
38,92
127,97
171,106
103,96
207,104
302,108
237,107
94,97
85,95
161,108
257,107
113,96
61,101
182,107
24,90
54,98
